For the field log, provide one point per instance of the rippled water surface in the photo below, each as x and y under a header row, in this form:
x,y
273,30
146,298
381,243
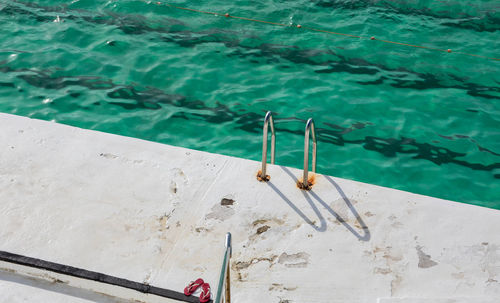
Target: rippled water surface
x,y
414,119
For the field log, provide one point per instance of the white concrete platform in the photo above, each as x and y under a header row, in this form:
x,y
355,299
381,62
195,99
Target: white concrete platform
x,y
158,214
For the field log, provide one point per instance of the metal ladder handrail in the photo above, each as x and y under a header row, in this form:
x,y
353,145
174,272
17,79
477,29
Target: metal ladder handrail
x,y
267,120
309,129
224,287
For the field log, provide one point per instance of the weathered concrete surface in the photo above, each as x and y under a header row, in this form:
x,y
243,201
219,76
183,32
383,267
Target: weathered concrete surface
x,y
157,213
25,284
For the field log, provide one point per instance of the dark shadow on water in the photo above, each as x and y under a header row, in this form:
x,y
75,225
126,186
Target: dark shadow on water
x,y
154,99
366,236
133,97
175,31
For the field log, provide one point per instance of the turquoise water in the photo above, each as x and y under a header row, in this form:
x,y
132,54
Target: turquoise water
x,y
413,119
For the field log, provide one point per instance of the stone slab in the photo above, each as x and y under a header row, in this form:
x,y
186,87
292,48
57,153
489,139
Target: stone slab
x,y
158,214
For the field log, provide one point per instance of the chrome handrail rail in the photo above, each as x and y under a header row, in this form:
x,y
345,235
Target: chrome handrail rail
x,y
309,129
224,287
267,120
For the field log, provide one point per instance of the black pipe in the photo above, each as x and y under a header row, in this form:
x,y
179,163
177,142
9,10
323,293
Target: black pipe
x,y
95,276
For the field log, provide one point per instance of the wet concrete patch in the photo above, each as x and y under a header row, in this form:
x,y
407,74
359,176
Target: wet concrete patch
x,y
383,271
281,287
262,229
108,156
271,220
220,212
239,265
226,202
297,260
424,260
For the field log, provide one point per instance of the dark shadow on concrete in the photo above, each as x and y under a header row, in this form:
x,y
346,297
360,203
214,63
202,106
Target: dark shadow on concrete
x,y
366,231
59,287
321,227
365,236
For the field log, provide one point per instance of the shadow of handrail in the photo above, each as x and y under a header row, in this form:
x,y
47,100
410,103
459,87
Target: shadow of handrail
x,y
366,236
322,221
